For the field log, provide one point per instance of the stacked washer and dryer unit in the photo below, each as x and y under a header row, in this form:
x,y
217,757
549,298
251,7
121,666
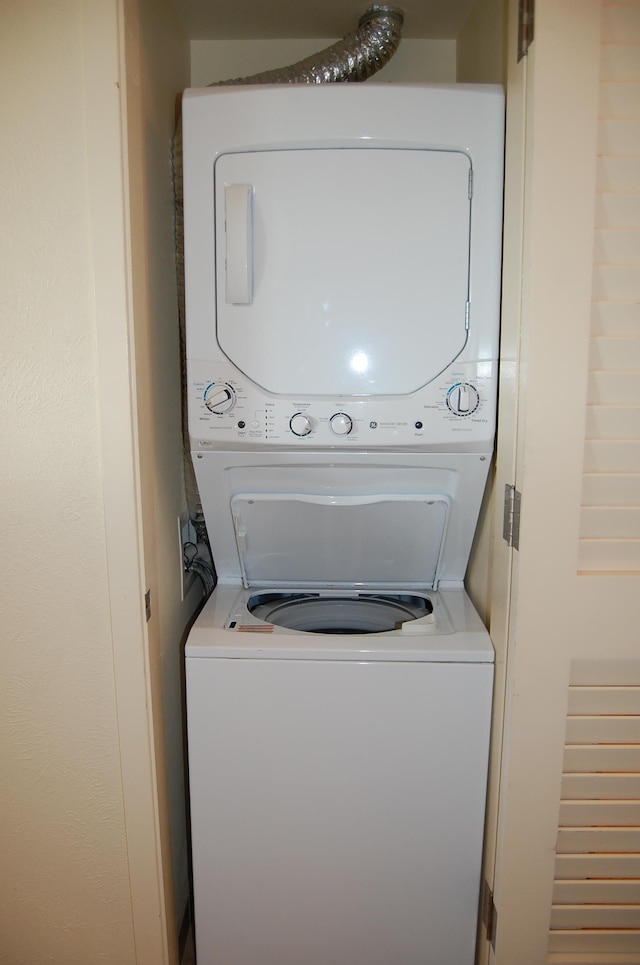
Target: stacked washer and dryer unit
x,y
342,253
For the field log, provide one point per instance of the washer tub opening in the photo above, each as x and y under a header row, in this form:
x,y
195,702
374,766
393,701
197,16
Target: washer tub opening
x,y
357,613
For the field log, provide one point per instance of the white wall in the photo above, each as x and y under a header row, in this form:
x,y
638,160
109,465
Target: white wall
x,y
65,894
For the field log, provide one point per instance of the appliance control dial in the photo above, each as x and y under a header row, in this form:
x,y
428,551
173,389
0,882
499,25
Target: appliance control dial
x,y
463,399
341,424
300,424
219,397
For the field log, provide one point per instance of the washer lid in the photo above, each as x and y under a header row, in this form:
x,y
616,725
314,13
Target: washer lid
x,y
306,539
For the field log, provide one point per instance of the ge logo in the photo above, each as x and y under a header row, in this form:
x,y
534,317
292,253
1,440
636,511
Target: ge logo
x,y
373,425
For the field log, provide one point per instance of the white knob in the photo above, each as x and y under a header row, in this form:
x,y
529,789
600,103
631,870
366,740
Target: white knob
x,y
463,399
300,424
341,424
219,397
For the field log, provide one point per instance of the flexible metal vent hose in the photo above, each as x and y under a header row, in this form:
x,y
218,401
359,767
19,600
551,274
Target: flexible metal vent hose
x,y
357,57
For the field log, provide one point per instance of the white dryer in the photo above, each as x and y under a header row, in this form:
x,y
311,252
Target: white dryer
x,y
342,260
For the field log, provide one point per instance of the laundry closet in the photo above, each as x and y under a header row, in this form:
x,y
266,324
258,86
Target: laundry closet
x,y
533,595
98,606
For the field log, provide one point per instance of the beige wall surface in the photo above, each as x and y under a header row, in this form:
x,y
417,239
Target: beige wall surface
x,y
157,59
481,44
416,61
65,894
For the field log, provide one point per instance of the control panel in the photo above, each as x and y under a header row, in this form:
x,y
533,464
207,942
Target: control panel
x,y
456,410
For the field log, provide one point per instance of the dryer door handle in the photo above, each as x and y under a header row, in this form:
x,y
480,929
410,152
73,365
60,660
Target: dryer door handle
x,y
239,241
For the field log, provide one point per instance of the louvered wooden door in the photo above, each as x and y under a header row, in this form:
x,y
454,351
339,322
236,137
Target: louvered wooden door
x,y
596,891
567,872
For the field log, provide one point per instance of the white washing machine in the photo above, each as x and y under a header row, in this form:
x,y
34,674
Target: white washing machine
x,y
342,252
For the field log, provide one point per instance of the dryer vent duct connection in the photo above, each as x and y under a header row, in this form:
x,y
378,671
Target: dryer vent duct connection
x,y
357,57
360,55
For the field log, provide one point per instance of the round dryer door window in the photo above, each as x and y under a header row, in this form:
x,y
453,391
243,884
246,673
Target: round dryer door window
x,y
314,295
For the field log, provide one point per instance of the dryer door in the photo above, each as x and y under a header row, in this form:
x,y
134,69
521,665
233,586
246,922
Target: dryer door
x,y
342,272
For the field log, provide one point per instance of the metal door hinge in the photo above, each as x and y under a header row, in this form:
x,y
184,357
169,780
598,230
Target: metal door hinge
x,y
511,519
147,604
489,914
525,26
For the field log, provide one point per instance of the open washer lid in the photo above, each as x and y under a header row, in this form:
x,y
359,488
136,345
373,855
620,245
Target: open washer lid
x,y
302,539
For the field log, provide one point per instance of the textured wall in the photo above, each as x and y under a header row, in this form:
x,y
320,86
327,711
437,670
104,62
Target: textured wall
x,y
64,893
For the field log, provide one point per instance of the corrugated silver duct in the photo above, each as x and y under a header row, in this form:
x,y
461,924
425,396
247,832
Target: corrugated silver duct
x,y
360,55
355,58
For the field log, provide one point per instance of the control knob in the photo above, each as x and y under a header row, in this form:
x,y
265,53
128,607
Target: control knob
x,y
300,424
463,399
341,424
219,397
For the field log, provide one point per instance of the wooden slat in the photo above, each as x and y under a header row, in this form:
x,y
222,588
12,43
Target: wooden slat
x,y
613,422
597,840
620,522
614,388
605,673
595,916
619,174
617,210
620,23
619,729
615,319
616,282
608,556
597,866
594,814
596,693
619,100
619,137
624,786
615,355
594,941
609,759
614,456
575,891
603,489
590,958
619,63
616,246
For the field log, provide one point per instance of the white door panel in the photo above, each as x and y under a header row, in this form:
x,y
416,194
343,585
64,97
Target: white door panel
x,y
338,809
381,317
